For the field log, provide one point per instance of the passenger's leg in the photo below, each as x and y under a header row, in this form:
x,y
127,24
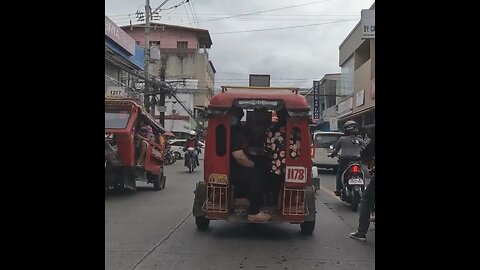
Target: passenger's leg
x,y
195,154
240,182
366,206
276,185
143,150
255,192
255,197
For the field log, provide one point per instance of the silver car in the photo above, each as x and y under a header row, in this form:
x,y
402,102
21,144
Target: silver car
x,y
324,142
176,145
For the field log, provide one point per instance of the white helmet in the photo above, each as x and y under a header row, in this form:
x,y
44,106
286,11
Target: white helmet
x,y
193,133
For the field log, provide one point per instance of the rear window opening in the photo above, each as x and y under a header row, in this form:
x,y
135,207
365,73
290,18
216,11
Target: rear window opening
x,y
221,140
267,136
294,143
116,119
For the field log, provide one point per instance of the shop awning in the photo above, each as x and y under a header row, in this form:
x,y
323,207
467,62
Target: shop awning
x,y
353,115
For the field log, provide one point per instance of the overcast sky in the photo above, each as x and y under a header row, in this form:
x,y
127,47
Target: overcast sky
x,y
293,56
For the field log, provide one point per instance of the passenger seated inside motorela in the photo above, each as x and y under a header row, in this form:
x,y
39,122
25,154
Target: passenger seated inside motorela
x,y
248,160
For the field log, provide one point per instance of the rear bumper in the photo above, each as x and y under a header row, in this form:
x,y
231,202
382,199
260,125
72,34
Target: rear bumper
x,y
322,159
116,175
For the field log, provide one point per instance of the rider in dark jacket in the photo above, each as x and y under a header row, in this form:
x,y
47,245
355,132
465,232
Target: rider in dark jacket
x,y
351,147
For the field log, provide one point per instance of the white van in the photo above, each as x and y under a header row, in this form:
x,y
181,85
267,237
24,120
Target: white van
x,y
324,143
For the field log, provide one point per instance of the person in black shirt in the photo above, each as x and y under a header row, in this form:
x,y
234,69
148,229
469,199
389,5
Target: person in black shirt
x,y
246,165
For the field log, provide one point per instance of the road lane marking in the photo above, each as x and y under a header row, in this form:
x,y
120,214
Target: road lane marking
x,y
329,192
163,240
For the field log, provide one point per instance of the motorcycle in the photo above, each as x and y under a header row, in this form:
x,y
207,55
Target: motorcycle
x,y
190,161
353,180
170,157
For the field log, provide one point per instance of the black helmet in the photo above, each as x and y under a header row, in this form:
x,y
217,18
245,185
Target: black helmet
x,y
351,127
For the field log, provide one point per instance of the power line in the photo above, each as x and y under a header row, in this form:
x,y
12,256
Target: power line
x,y
186,12
264,11
191,11
161,5
215,15
180,20
122,84
281,28
247,74
272,79
123,17
194,12
275,79
255,18
169,12
120,15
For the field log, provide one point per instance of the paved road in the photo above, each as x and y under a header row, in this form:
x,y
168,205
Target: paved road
x,y
156,230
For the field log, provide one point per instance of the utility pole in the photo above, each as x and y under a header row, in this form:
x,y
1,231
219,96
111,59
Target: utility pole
x,y
161,102
147,50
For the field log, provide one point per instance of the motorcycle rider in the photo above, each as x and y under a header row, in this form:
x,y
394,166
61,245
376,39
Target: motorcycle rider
x,y
351,147
192,142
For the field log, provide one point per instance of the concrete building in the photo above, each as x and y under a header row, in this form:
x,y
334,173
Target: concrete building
x,y
329,85
178,120
122,56
357,79
183,53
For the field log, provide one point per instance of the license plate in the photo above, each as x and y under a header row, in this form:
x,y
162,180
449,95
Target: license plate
x,y
296,174
355,181
215,178
116,92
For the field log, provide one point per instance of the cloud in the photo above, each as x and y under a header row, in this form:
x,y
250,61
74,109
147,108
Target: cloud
x,y
300,53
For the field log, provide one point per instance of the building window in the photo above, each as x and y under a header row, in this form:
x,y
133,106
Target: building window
x,y
155,43
362,54
346,77
182,44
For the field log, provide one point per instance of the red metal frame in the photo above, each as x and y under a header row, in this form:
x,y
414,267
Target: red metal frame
x,y
125,137
292,100
221,164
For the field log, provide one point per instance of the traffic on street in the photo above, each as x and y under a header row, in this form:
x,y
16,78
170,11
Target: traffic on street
x,y
156,230
257,152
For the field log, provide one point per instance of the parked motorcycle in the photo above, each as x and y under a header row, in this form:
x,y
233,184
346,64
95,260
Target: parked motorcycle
x,y
170,157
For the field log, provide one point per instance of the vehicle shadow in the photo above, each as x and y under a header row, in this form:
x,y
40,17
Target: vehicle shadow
x,y
118,193
194,171
326,171
256,231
